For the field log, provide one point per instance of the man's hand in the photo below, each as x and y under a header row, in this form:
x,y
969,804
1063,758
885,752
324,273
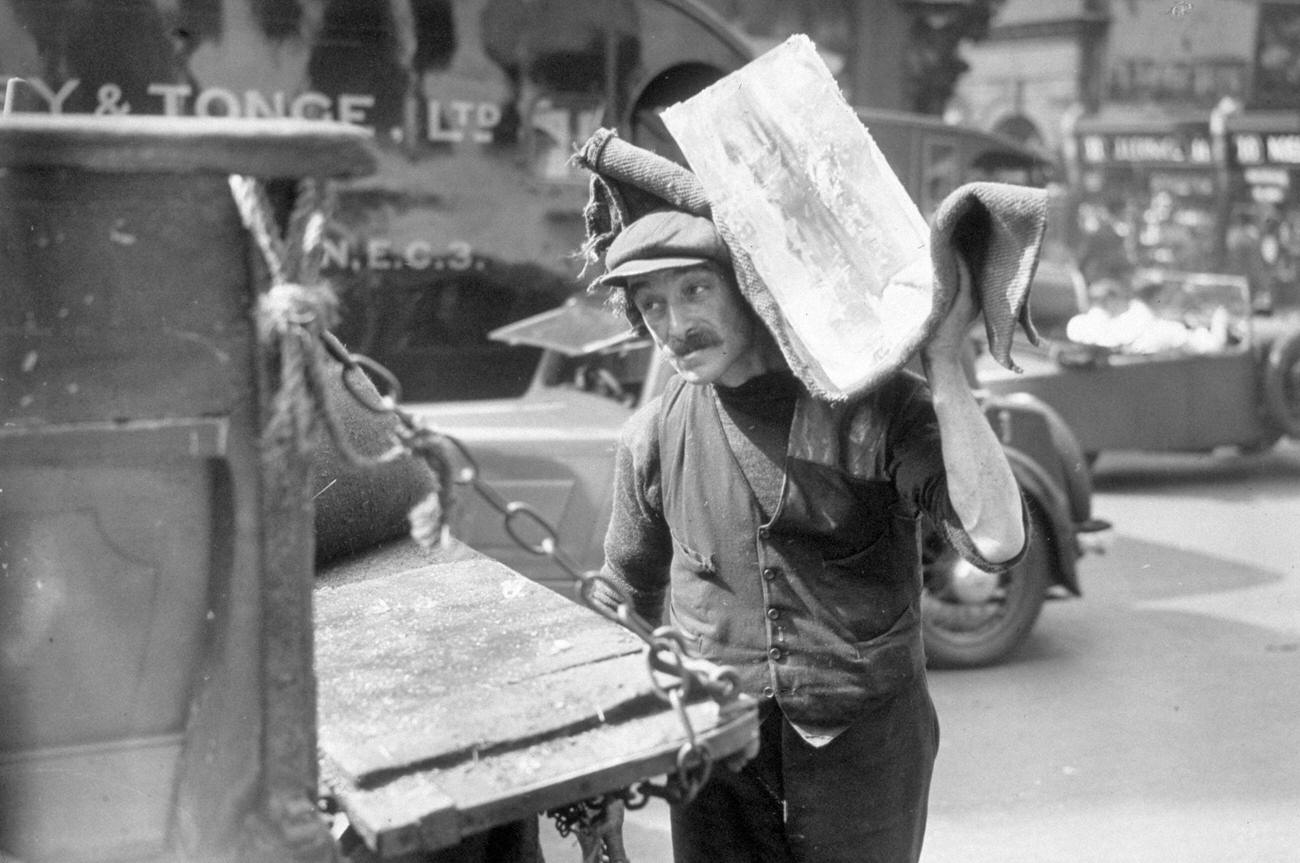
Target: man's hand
x,y
981,486
949,338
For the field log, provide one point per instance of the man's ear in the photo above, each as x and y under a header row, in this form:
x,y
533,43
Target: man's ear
x,y
621,300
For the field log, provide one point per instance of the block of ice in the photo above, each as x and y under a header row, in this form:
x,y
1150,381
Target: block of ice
x,y
796,180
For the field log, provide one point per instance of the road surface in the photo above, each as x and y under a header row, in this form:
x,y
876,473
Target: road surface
x,y
1153,720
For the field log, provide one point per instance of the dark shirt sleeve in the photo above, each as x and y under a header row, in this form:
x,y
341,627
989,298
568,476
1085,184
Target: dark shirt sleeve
x,y
915,461
638,547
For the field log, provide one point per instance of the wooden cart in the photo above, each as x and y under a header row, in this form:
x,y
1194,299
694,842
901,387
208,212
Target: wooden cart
x,y
156,607
457,695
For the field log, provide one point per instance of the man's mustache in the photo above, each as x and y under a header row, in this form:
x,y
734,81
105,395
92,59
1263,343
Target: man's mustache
x,y
693,340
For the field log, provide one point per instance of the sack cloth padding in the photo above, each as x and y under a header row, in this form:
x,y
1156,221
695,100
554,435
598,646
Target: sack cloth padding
x,y
996,228
358,506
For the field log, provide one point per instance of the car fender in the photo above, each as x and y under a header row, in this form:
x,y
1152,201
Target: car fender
x,y
1027,423
1038,486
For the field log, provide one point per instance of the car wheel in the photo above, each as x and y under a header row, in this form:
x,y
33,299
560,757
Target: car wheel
x,y
970,618
1282,384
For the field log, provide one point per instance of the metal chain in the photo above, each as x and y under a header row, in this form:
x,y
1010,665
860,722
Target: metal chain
x,y
296,316
597,826
675,675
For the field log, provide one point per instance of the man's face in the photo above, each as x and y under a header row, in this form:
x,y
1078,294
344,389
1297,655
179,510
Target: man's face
x,y
699,320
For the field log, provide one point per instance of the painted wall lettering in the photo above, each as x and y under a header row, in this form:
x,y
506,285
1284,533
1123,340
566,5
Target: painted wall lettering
x,y
1155,149
1274,148
450,120
456,120
381,253
1284,149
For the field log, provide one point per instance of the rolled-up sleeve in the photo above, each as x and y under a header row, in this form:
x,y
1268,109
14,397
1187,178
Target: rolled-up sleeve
x,y
915,462
638,546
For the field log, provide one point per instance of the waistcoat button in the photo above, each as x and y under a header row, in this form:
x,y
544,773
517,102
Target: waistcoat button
x,y
768,692
773,613
771,573
764,533
774,652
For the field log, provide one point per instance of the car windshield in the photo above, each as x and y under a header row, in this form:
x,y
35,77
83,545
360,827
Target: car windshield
x,y
1201,302
1165,312
587,347
582,325
1194,298
619,372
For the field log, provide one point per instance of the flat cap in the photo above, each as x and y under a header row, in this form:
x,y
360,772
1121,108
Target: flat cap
x,y
662,240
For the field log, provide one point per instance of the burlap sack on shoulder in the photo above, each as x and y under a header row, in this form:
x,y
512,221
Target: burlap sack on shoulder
x,y
997,228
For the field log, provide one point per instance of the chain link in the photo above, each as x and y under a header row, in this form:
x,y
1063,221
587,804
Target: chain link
x,y
676,676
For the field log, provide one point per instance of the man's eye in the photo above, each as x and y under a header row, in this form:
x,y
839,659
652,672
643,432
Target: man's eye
x,y
696,288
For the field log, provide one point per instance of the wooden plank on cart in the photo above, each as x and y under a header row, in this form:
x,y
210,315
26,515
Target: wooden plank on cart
x,y
455,694
439,805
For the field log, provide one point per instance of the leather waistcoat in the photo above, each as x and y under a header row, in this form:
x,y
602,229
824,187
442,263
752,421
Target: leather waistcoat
x,y
817,607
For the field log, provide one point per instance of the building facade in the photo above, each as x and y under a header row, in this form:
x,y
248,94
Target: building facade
x,y
900,55
1177,123
1046,61
1040,63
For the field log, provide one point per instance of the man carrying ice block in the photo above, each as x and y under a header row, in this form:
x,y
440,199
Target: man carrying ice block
x,y
779,527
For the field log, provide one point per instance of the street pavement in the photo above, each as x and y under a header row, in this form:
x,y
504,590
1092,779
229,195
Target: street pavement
x,y
1155,719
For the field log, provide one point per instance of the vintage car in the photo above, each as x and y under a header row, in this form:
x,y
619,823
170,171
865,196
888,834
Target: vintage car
x,y
552,450
1238,388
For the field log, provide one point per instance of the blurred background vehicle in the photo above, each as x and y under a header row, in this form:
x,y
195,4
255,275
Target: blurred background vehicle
x,y
1241,389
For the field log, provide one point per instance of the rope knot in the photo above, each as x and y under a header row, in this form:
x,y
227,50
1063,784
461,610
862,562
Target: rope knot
x,y
287,305
294,317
